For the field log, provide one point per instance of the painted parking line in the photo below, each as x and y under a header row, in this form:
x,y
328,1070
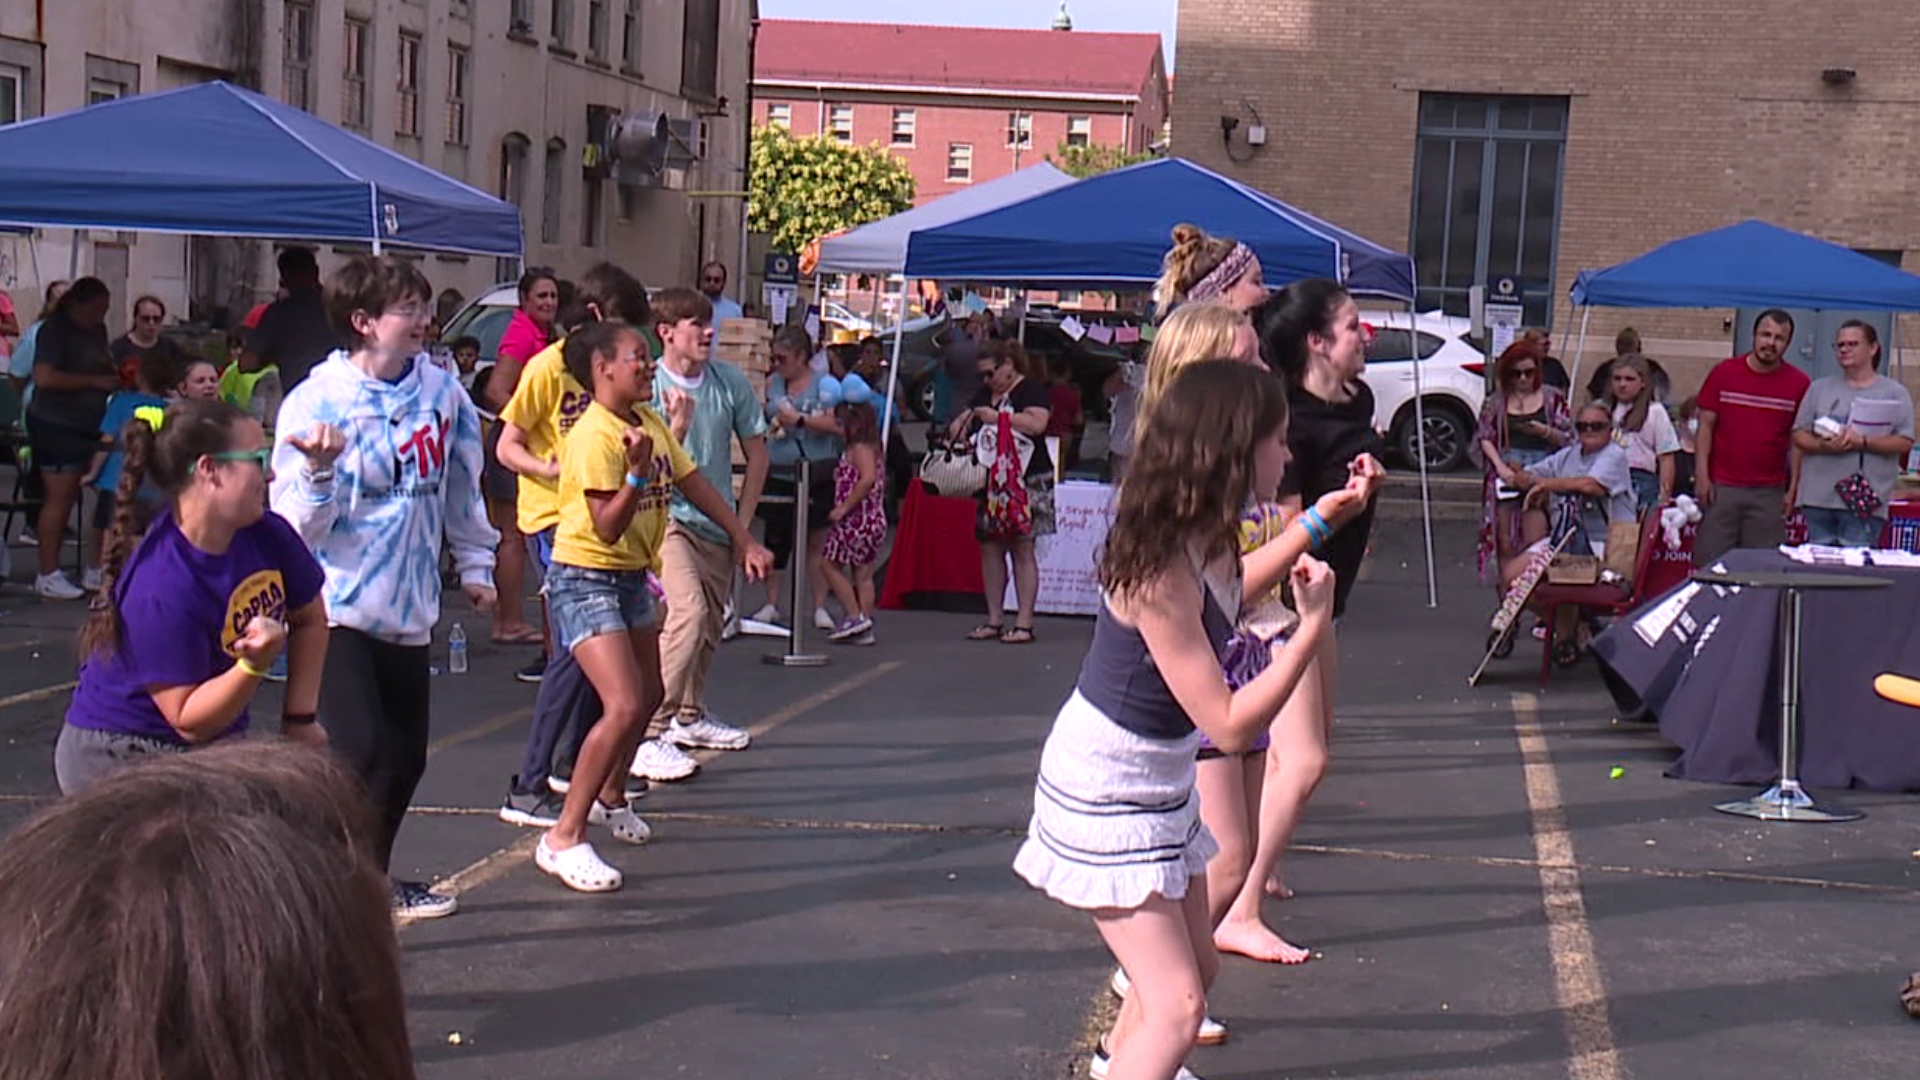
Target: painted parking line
x,y
28,696
1578,988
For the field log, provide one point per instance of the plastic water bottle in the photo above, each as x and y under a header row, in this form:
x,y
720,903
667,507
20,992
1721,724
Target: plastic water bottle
x,y
457,650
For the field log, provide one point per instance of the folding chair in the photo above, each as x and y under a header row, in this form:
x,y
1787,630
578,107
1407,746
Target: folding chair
x,y
1599,598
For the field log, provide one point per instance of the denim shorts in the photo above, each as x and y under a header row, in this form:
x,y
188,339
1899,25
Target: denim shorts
x,y
584,603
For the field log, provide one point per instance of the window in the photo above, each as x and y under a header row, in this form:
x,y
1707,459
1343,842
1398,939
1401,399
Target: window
x,y
840,122
779,112
903,125
1486,196
353,88
597,29
960,162
1020,130
591,197
406,116
459,70
560,30
1079,131
700,50
520,17
551,191
19,80
513,169
108,79
296,82
1390,344
630,37
13,94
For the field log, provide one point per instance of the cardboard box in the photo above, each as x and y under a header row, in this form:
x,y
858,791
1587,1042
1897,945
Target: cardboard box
x,y
1573,570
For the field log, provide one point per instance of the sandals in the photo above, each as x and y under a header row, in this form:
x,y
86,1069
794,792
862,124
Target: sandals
x,y
1019,635
579,867
1910,995
987,632
625,825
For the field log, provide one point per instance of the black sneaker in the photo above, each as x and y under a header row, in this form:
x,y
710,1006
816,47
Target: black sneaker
x,y
534,809
413,900
533,672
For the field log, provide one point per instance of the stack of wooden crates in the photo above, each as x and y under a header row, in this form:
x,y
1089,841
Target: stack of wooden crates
x,y
746,344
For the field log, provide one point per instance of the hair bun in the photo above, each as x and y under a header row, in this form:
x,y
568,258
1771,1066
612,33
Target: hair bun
x,y
1186,234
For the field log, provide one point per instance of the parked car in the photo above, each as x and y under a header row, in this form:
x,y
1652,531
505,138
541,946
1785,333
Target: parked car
x,y
485,318
1452,383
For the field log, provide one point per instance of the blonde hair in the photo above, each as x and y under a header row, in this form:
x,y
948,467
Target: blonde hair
x,y
1195,333
1193,256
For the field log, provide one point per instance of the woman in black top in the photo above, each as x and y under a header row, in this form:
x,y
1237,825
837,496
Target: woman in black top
x,y
73,375
1017,505
149,313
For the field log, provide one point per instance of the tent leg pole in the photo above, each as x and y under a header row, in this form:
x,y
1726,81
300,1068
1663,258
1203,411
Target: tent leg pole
x,y
1579,351
73,258
1420,448
893,371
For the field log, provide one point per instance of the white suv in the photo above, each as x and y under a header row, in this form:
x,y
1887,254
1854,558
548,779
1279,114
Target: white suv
x,y
1452,384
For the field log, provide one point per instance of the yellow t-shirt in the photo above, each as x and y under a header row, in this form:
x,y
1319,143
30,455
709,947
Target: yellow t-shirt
x,y
544,405
594,459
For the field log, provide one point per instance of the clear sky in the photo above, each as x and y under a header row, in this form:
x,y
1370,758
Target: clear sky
x,y
1152,16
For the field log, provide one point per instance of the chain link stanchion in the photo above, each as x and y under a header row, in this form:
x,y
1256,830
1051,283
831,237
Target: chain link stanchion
x,y
799,613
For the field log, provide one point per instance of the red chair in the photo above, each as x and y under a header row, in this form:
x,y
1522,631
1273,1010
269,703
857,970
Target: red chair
x,y
1598,598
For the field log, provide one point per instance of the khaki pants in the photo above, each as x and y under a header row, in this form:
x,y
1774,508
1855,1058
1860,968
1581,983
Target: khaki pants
x,y
1740,517
698,576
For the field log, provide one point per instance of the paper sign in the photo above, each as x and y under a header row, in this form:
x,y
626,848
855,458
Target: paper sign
x,y
1873,416
1071,327
1126,335
813,326
1100,333
1148,332
1069,559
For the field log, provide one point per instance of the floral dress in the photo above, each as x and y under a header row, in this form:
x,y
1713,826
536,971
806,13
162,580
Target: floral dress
x,y
855,540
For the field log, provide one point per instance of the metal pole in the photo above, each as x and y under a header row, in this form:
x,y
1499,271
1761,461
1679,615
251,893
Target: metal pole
x,y
893,369
1790,693
798,612
1420,453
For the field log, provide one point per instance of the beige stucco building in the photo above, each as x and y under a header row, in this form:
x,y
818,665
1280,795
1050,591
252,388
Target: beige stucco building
x,y
492,92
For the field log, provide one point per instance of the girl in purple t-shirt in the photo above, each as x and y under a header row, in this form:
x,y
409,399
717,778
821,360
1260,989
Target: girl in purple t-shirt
x,y
197,607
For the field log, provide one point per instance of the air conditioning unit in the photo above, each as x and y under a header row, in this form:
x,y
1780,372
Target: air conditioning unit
x,y
640,149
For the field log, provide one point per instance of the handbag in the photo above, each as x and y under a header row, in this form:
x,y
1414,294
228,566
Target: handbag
x,y
986,443
953,472
1856,491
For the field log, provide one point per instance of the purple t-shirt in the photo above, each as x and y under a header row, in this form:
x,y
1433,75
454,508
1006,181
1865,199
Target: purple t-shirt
x,y
182,610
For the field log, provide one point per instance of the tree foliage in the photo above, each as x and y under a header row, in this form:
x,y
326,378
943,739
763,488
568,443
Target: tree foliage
x,y
1081,162
801,189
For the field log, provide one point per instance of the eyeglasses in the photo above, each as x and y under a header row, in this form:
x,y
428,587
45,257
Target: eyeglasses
x,y
1840,346
1520,372
1592,426
259,457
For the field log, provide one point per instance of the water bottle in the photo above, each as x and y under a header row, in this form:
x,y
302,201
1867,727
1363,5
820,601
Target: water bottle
x,y
457,650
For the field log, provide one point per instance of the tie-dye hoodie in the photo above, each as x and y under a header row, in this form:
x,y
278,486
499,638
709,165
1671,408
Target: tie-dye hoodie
x,y
409,475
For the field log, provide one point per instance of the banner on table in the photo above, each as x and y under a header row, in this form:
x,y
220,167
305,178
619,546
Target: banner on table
x,y
1069,559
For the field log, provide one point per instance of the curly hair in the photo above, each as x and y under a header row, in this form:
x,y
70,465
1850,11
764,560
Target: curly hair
x,y
1193,256
1182,489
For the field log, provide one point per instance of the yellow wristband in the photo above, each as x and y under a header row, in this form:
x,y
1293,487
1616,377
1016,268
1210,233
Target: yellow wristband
x,y
241,663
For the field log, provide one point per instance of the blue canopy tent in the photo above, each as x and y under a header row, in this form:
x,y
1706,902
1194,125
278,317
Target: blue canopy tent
x,y
216,160
881,246
1114,229
1751,264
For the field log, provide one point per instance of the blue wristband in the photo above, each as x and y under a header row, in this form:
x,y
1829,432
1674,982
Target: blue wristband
x,y
635,480
1317,527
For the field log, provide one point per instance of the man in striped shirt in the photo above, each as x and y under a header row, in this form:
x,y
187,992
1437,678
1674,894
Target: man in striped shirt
x,y
1744,476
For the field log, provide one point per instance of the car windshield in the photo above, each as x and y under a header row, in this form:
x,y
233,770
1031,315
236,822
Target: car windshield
x,y
485,322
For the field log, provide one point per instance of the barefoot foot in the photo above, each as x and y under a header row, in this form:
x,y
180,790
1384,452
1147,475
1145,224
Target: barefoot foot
x,y
1251,938
1277,888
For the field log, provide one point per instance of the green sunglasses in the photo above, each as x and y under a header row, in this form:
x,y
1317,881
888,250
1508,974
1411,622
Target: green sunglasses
x,y
259,457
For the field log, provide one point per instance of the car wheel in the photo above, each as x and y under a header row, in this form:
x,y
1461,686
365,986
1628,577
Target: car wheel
x,y
1446,438
920,399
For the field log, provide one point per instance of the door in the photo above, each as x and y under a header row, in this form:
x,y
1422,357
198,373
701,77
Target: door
x,y
110,266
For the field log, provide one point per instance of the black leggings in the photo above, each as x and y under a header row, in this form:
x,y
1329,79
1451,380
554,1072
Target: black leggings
x,y
374,699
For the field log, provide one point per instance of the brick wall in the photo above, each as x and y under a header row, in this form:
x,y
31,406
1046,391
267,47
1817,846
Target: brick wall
x,y
1682,118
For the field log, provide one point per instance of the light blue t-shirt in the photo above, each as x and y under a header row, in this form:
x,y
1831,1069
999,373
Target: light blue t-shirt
x,y
20,366
820,448
725,408
120,409
723,309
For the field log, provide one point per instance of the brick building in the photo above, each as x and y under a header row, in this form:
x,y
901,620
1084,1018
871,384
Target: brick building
x,y
1550,138
960,104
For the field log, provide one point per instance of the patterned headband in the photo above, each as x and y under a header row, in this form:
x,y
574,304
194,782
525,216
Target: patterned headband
x,y
1231,269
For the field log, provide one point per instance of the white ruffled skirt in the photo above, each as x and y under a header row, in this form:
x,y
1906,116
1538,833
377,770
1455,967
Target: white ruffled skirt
x,y
1115,815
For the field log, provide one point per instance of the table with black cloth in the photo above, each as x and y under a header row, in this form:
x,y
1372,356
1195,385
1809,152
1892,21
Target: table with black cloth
x,y
1710,677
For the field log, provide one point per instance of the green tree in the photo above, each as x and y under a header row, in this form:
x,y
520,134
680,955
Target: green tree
x,y
1081,162
799,190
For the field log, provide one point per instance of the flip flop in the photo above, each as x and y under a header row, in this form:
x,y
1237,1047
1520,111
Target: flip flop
x,y
1019,635
527,636
579,867
986,632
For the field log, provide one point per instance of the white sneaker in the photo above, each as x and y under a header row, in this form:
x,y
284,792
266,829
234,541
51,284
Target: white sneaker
x,y
767,613
90,579
823,619
662,761
706,732
55,586
730,622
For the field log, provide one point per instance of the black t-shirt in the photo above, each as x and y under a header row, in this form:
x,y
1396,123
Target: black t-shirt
x,y
128,354
65,346
295,334
1324,437
1026,394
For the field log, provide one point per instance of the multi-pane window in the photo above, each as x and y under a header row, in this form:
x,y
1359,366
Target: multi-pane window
x,y
406,114
1079,130
1020,129
353,88
551,191
1486,196
903,125
840,122
779,112
297,74
520,16
630,36
459,75
597,29
960,162
20,64
560,29
700,50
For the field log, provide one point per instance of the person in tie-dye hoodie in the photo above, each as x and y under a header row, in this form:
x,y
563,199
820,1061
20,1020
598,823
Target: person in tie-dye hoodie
x,y
378,460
